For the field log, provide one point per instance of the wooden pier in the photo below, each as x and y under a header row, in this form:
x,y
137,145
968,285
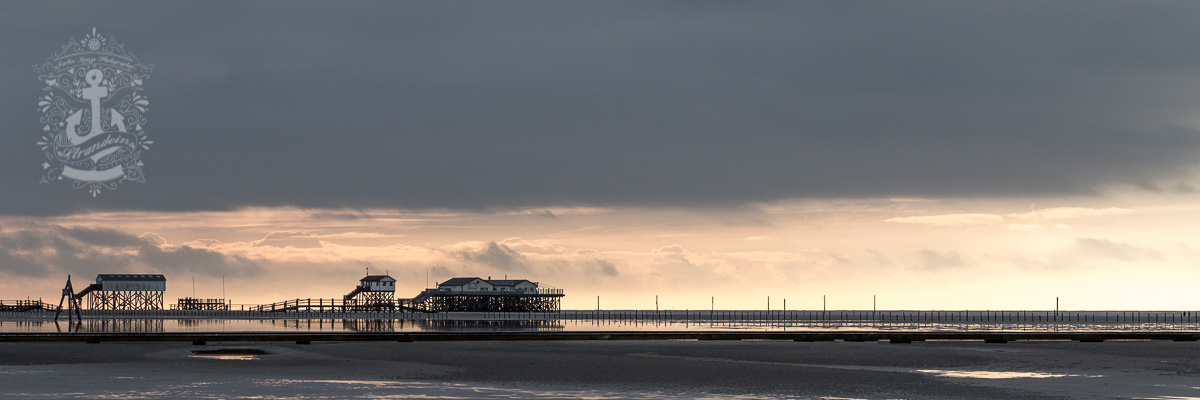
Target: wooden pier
x,y
25,306
336,306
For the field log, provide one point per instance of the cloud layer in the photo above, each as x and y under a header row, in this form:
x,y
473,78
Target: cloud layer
x,y
441,105
943,254
46,250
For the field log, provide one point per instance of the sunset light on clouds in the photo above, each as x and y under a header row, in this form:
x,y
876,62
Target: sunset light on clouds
x,y
911,254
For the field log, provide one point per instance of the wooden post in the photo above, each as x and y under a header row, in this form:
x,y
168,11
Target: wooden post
x,y
60,300
68,293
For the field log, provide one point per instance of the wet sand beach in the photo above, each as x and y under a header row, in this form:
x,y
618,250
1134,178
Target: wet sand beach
x,y
605,369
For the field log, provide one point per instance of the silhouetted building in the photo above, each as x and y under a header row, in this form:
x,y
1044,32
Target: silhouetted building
x,y
126,292
478,294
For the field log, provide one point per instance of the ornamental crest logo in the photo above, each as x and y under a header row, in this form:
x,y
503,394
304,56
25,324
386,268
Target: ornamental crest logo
x,y
93,114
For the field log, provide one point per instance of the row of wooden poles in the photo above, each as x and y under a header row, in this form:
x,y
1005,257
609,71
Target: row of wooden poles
x,y
891,316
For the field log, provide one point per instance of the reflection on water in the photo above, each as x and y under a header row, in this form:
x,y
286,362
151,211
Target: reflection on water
x,y
511,323
402,325
866,325
978,374
490,326
86,326
995,374
371,325
276,325
235,357
122,325
230,354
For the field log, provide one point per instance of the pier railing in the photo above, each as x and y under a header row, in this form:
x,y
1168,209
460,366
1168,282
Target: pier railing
x,y
24,306
322,305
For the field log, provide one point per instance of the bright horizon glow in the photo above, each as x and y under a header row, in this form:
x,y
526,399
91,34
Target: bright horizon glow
x,y
1105,253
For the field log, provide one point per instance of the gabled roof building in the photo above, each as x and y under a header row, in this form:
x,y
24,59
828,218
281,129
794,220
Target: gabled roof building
x,y
476,284
479,294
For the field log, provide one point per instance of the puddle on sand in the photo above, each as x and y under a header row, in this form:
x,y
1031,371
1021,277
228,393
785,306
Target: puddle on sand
x,y
935,372
997,374
230,354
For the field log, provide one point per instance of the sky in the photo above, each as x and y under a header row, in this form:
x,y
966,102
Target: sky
x,y
932,154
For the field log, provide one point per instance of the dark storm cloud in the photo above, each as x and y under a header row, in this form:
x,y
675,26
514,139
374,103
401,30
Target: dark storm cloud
x,y
525,104
45,250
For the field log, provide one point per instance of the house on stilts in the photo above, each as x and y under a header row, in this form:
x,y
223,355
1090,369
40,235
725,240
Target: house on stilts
x,y
478,294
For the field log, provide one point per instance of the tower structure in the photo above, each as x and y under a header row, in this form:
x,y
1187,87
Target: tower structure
x,y
374,292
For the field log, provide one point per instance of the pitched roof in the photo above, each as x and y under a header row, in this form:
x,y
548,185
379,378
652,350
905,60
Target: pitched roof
x,y
458,281
507,282
132,277
376,278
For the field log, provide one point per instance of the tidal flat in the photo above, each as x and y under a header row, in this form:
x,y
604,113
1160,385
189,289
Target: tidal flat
x,y
603,370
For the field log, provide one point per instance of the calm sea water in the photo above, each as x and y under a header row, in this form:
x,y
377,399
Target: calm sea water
x,y
585,321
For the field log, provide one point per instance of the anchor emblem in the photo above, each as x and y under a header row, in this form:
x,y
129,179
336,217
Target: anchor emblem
x,y
93,114
71,137
94,93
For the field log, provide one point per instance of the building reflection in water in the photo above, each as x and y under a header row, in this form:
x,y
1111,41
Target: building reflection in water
x,y
200,325
488,326
23,326
156,325
373,325
111,326
402,325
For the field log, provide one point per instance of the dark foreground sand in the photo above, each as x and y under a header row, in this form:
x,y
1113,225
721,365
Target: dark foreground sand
x,y
608,369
